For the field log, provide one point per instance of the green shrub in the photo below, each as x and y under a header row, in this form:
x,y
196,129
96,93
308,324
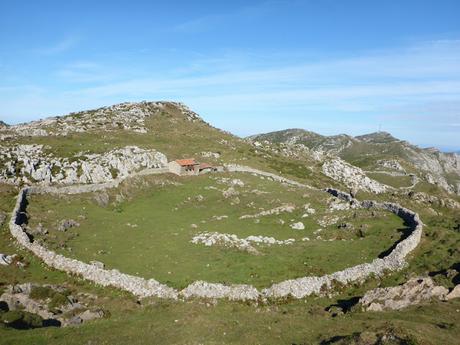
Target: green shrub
x,y
57,301
21,319
41,292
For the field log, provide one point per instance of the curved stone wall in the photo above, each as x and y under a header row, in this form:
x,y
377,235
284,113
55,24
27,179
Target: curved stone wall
x,y
136,285
142,288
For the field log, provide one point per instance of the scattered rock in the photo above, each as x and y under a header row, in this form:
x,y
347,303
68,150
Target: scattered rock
x,y
208,154
39,230
237,182
277,210
233,241
230,192
97,264
66,224
346,226
455,293
49,303
102,199
297,226
415,291
91,315
6,260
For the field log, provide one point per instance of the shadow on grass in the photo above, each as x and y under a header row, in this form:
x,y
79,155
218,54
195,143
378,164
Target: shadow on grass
x,y
405,233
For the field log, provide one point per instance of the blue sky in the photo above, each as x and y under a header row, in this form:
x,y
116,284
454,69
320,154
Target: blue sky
x,y
331,66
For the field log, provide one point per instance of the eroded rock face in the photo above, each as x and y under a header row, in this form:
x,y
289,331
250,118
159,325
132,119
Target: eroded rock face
x,y
353,177
29,164
415,291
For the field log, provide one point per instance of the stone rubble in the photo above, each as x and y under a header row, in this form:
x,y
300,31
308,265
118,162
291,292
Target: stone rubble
x,y
18,297
225,240
414,291
273,211
297,226
66,224
233,241
207,154
6,260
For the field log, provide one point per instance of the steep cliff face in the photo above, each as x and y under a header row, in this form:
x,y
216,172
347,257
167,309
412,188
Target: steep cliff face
x,y
376,151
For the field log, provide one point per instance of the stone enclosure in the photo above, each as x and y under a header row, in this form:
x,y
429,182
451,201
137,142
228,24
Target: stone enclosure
x,y
142,288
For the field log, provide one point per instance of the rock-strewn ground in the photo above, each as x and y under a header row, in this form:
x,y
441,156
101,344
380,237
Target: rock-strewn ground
x,y
29,164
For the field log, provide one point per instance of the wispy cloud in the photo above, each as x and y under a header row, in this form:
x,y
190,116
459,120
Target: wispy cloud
x,y
61,46
209,21
415,87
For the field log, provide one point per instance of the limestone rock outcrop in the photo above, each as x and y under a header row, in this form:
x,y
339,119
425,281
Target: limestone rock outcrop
x,y
29,164
353,177
414,291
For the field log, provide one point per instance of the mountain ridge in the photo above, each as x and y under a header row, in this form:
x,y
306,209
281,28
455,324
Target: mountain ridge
x,y
368,151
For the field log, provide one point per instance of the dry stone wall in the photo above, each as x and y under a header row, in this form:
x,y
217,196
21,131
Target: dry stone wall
x,y
297,288
136,285
246,169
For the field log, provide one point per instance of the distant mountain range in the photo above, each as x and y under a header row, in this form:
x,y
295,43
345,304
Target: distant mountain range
x,y
369,151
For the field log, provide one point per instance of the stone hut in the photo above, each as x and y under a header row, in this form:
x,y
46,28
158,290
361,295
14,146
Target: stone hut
x,y
184,167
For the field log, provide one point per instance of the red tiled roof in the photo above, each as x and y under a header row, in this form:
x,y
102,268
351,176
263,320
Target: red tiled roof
x,y
205,165
184,162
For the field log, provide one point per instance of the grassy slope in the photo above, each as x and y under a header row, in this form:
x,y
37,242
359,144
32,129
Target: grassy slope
x,y
159,246
289,322
393,181
299,322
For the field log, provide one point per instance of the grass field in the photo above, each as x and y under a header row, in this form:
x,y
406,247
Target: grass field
x,y
148,230
393,181
202,322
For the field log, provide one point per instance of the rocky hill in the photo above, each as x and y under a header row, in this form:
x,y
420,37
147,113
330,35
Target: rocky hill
x,y
376,152
100,145
103,144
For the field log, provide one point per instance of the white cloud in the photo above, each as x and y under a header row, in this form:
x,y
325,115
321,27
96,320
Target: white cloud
x,y
418,83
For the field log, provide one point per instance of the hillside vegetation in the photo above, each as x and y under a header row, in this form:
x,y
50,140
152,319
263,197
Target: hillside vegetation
x,y
162,226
